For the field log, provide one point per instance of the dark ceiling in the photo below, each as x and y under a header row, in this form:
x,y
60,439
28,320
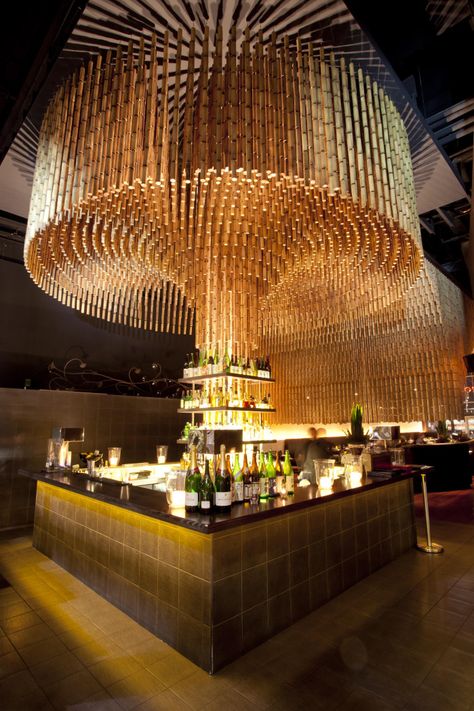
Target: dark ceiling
x,y
427,42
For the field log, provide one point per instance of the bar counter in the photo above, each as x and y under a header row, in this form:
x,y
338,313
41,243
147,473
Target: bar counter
x,y
216,586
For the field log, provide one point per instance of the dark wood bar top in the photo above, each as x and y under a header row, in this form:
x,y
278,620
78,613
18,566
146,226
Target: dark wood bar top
x,y
153,503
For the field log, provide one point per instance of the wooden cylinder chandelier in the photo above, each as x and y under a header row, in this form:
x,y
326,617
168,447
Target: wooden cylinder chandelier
x,y
232,191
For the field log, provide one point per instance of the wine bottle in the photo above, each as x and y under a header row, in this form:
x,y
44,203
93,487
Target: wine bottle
x,y
271,476
226,362
255,480
246,479
268,368
237,475
289,476
223,495
280,477
192,484
186,367
217,363
206,491
262,470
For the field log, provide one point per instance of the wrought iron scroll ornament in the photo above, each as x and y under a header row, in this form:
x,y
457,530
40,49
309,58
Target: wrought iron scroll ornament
x,y
78,376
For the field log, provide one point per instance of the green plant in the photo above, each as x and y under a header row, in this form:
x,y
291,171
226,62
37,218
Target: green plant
x,y
356,434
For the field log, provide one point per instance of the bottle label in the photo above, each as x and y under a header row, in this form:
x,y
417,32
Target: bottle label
x,y
223,498
264,486
238,491
247,491
280,480
290,484
191,498
205,504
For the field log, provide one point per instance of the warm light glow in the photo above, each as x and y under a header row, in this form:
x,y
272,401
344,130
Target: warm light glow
x,y
282,174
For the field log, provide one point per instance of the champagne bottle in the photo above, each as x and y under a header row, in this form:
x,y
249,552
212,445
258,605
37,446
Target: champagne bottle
x,y
289,476
255,480
192,484
262,470
271,476
246,479
223,495
206,492
237,475
280,477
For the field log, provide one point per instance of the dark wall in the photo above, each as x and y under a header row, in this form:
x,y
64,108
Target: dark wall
x,y
35,330
136,424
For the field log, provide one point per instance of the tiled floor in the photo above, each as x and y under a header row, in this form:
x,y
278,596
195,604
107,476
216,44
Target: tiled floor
x,y
401,639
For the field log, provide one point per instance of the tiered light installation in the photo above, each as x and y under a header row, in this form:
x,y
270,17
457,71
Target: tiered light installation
x,y
261,194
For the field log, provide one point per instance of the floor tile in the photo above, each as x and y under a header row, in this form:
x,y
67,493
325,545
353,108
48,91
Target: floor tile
x,y
165,701
199,688
135,689
52,670
112,669
231,700
10,663
74,689
172,668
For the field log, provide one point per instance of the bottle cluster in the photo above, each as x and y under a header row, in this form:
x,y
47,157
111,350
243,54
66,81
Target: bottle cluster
x,y
235,484
210,396
206,362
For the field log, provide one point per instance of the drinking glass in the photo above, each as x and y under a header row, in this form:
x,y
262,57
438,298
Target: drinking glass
x,y
161,453
324,473
114,454
397,456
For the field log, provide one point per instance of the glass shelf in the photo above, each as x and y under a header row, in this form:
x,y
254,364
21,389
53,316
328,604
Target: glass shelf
x,y
251,410
229,376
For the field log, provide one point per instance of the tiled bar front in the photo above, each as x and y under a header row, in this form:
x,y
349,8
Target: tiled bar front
x,y
214,596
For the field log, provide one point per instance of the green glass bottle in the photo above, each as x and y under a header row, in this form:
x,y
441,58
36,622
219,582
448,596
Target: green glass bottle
x,y
206,491
280,477
246,479
289,475
238,481
262,470
271,476
226,363
192,484
223,495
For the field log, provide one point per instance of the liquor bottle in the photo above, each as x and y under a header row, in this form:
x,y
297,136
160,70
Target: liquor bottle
x,y
262,470
204,368
237,475
201,363
192,484
246,479
223,495
271,476
289,476
217,362
268,368
206,491
280,477
255,480
196,363
226,364
186,373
